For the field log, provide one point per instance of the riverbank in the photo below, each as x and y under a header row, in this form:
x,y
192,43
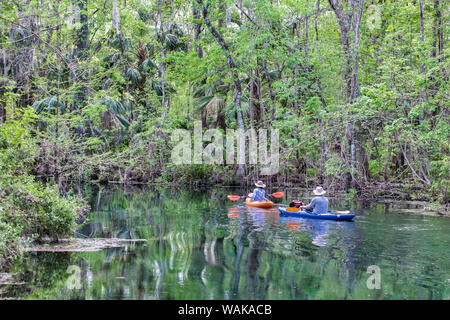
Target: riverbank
x,y
375,190
30,211
381,192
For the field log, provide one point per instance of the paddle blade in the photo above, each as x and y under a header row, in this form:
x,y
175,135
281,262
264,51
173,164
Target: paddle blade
x,y
342,211
292,209
278,194
233,198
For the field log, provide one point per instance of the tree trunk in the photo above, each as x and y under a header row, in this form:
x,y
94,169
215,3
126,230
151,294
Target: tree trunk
x,y
229,27
81,53
2,102
344,21
116,17
422,40
355,152
251,102
3,85
422,32
297,90
163,77
437,30
307,40
269,87
232,66
223,14
262,108
116,25
197,30
355,75
316,18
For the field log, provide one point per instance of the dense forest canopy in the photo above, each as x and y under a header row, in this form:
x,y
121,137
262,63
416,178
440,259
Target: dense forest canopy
x,y
92,90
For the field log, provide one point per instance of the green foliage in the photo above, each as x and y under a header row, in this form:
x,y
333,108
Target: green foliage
x,y
10,244
38,211
28,209
335,167
351,195
149,75
49,104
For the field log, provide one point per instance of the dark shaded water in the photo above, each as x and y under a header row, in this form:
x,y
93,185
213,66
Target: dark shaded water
x,y
202,246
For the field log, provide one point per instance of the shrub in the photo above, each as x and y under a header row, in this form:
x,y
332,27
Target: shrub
x,y
39,211
9,242
28,210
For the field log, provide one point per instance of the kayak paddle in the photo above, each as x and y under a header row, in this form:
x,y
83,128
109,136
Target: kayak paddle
x,y
275,195
234,198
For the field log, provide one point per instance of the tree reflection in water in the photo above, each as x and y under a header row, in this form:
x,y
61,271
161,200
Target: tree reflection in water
x,y
204,248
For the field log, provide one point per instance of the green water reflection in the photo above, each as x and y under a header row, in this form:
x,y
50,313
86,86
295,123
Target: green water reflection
x,y
202,246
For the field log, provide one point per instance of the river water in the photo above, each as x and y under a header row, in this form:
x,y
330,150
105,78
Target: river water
x,y
202,246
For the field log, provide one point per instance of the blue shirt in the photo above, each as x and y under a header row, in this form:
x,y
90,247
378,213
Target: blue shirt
x,y
320,205
258,195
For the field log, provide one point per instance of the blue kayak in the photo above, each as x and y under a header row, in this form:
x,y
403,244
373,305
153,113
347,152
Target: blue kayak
x,y
325,216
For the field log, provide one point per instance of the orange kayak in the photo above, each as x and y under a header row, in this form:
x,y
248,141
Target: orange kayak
x,y
258,204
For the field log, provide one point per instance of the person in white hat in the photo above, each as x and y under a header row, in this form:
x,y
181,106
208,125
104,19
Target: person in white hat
x,y
319,204
259,193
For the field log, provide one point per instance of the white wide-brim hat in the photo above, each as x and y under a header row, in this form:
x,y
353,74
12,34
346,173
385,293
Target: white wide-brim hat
x,y
260,184
319,191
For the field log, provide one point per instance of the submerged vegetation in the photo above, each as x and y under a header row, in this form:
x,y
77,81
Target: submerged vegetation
x,y
92,90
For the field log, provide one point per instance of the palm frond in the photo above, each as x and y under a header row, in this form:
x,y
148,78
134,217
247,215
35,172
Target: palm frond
x,y
124,122
176,30
151,50
20,35
171,41
156,86
49,104
133,75
112,58
214,106
148,65
143,14
235,18
210,89
274,74
114,105
201,103
120,42
199,92
229,111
